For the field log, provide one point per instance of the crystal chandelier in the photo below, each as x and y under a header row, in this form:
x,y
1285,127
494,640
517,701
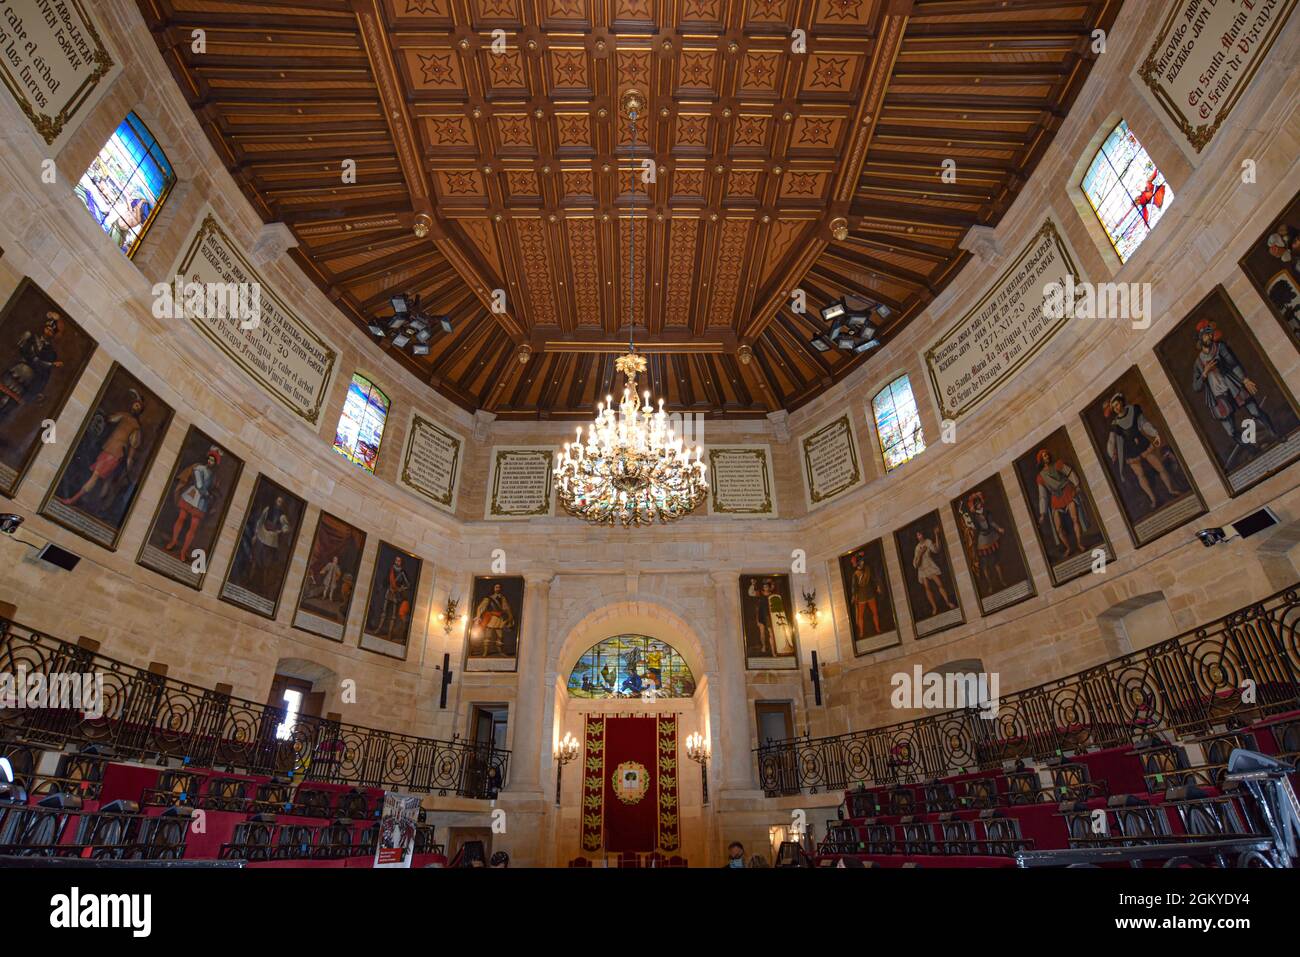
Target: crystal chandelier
x,y
632,469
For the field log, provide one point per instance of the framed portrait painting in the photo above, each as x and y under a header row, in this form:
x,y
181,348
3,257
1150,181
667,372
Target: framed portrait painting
x,y
390,608
1145,470
1244,414
495,620
330,579
1065,515
1273,265
256,574
989,539
42,356
768,623
929,579
188,520
101,476
870,600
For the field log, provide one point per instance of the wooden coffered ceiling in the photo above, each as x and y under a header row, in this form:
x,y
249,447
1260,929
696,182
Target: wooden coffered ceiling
x,y
499,121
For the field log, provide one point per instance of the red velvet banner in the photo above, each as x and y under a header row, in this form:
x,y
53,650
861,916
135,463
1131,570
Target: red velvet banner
x,y
629,793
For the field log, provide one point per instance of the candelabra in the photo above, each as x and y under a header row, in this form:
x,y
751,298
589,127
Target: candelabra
x,y
566,751
697,749
809,613
448,615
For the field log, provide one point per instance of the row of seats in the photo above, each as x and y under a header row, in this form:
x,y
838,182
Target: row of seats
x,y
57,826
1184,804
1166,764
992,833
631,859
215,792
1071,781
264,838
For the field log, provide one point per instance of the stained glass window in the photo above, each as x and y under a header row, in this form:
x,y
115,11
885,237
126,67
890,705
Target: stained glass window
x,y
361,426
1127,190
898,423
627,666
127,183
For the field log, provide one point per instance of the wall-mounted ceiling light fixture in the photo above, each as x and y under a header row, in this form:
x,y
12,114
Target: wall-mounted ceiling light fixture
x,y
410,326
853,325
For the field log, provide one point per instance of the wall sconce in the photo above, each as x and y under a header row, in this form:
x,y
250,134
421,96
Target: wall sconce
x,y
697,749
809,612
448,616
566,751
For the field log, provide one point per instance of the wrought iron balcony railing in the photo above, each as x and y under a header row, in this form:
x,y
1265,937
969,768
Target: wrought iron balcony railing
x,y
149,716
1242,667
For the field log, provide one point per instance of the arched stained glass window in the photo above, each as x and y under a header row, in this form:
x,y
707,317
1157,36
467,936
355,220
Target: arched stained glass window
x,y
898,423
627,666
127,183
1127,191
361,424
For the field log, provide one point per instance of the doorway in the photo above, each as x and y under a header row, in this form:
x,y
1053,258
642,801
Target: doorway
x,y
775,722
488,727
295,697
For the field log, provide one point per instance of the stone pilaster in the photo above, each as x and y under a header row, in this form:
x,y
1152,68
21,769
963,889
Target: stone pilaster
x,y
529,718
733,764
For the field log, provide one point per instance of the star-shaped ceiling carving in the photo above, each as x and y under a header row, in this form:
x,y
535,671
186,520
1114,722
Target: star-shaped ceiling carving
x,y
499,121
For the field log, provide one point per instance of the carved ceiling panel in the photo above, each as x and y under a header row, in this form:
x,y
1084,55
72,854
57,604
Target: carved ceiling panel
x,y
499,121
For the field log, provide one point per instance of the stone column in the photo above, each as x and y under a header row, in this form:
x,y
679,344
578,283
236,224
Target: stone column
x,y
732,763
530,694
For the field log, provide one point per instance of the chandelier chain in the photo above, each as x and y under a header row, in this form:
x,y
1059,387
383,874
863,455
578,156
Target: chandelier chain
x,y
633,469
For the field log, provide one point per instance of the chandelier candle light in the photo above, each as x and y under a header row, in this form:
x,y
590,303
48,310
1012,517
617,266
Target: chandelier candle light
x,y
632,469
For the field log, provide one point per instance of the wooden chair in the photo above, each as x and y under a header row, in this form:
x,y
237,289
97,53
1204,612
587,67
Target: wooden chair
x,y
880,837
939,797
902,801
981,793
917,838
110,831
225,794
163,837
335,841
1001,833
252,839
958,835
1136,820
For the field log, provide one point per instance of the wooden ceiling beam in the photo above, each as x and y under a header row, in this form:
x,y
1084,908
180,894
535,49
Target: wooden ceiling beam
x,y
382,264
385,239
376,41
889,41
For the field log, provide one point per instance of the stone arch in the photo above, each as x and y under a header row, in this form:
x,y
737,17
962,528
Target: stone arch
x,y
1139,622
639,614
321,677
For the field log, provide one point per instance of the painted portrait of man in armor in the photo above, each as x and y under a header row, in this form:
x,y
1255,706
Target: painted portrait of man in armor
x,y
42,355
1244,414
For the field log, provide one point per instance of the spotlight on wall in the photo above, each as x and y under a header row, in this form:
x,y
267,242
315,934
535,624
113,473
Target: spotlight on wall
x,y
1252,524
47,552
